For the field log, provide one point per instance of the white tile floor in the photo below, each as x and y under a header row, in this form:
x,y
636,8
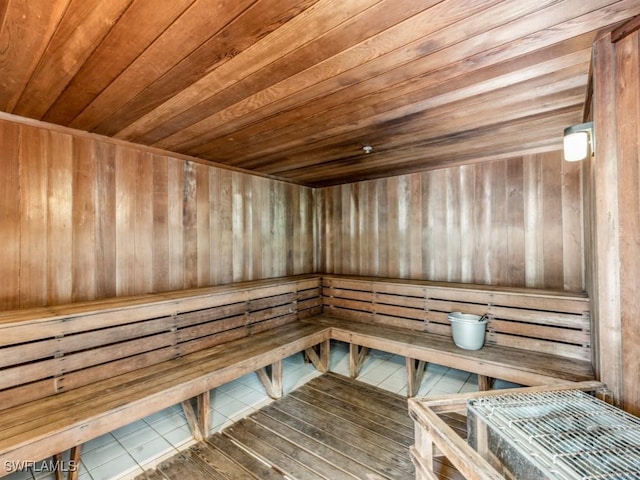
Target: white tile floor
x,y
127,451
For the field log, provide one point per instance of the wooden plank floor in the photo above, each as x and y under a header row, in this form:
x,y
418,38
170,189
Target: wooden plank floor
x,y
332,428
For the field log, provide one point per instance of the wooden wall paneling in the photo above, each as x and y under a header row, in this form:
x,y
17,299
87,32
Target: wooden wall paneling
x,y
160,242
499,265
453,225
628,114
106,236
190,225
175,214
34,162
572,227
59,234
203,222
237,189
515,218
482,239
383,227
415,225
276,207
533,214
225,227
10,207
551,229
481,223
373,220
143,223
260,226
84,218
305,247
349,251
248,215
289,243
126,176
467,221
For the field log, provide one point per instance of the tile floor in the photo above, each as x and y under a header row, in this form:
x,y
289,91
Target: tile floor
x,y
126,452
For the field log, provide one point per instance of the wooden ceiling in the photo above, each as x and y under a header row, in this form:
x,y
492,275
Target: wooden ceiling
x,y
296,88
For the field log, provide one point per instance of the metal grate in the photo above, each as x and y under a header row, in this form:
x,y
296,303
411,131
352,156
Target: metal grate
x,y
568,435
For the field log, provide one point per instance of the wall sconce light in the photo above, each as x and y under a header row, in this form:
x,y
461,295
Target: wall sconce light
x,y
579,142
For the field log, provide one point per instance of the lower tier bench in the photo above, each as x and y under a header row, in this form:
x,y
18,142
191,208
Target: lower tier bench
x,y
491,362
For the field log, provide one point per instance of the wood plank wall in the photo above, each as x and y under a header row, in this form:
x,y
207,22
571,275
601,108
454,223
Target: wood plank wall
x,y
83,218
515,222
613,213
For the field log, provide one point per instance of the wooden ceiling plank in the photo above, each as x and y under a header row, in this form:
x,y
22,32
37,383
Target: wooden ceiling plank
x,y
585,22
374,92
114,54
26,31
357,29
320,17
521,21
482,143
390,109
508,108
181,39
423,137
254,23
410,30
84,25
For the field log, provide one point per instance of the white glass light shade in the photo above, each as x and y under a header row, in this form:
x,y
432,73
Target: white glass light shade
x,y
576,146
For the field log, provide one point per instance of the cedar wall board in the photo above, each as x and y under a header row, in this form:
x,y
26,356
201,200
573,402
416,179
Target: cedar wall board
x,y
83,218
515,222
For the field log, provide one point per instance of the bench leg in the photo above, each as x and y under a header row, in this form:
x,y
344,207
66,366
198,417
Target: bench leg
x,y
271,378
73,467
320,359
199,422
485,383
415,372
357,356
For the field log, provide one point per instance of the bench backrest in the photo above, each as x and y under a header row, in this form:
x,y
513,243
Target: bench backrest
x,y
536,320
44,351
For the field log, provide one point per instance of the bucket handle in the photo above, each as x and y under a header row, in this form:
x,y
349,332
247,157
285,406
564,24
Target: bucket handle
x,y
483,317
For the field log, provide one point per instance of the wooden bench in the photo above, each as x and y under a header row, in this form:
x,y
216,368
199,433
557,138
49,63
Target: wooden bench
x,y
71,373
533,337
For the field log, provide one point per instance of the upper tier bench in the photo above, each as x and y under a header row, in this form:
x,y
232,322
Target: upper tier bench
x,y
534,337
71,373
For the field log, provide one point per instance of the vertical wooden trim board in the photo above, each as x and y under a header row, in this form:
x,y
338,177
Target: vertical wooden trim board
x,y
83,218
613,217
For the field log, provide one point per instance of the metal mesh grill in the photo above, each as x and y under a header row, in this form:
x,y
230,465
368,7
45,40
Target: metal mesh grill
x,y
568,434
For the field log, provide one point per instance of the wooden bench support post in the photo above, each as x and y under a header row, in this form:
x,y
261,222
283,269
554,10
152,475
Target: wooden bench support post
x,y
415,372
319,359
485,383
72,467
357,356
271,378
199,421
